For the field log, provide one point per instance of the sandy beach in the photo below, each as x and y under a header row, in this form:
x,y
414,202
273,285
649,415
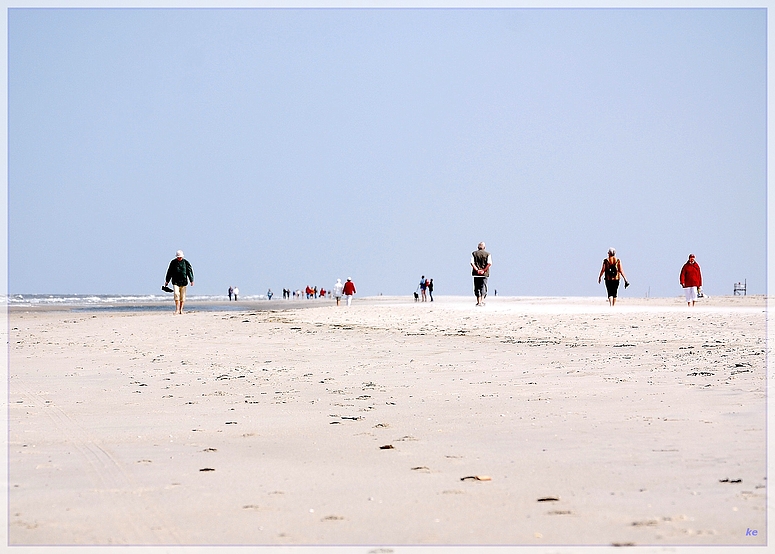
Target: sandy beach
x,y
528,422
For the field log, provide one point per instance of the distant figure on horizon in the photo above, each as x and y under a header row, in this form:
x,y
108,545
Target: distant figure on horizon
x,y
481,260
612,268
269,294
338,288
231,293
691,280
180,273
430,289
236,293
423,285
349,290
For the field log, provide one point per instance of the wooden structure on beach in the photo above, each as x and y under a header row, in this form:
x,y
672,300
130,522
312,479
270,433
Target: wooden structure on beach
x,y
740,288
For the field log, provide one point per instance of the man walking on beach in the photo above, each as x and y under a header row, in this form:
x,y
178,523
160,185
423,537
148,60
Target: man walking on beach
x,y
349,290
481,260
180,273
691,280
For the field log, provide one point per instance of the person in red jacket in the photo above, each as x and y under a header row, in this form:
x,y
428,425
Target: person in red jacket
x,y
349,290
691,280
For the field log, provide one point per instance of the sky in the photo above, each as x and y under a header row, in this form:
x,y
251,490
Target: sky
x,y
290,147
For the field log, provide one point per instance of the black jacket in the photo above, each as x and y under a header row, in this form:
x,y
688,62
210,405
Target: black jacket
x,y
180,272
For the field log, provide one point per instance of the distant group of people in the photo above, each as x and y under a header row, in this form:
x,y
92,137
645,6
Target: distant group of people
x,y
313,292
180,273
426,289
288,294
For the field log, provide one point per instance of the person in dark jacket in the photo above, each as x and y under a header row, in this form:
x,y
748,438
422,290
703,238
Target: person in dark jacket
x,y
180,273
481,260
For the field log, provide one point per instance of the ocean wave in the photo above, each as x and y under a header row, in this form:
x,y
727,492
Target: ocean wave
x,y
106,299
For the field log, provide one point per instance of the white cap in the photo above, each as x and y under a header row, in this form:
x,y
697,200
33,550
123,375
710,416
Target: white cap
x,y
338,280
179,254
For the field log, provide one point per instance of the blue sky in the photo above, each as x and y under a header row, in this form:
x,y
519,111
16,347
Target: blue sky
x,y
285,147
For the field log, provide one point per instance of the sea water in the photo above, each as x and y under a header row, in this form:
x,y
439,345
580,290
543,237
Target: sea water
x,y
129,302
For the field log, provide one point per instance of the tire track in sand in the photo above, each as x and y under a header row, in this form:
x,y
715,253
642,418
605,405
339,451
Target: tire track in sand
x,y
133,517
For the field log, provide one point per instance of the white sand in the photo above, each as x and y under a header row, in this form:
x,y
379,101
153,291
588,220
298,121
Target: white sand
x,y
646,422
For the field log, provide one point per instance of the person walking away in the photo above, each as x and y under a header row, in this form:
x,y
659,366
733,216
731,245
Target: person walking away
x,y
430,289
481,260
236,293
691,280
612,269
231,293
180,273
269,294
348,290
338,288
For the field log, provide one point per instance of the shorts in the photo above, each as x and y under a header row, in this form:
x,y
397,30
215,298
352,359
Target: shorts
x,y
691,293
480,286
179,293
612,286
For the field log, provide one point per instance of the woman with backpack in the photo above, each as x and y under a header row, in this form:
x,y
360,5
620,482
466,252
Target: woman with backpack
x,y
612,269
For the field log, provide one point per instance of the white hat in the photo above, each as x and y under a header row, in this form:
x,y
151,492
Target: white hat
x,y
349,278
338,280
179,254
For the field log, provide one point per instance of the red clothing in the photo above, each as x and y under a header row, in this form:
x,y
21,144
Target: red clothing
x,y
349,288
691,275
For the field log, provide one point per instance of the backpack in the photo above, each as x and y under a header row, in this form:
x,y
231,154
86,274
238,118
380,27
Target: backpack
x,y
611,269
